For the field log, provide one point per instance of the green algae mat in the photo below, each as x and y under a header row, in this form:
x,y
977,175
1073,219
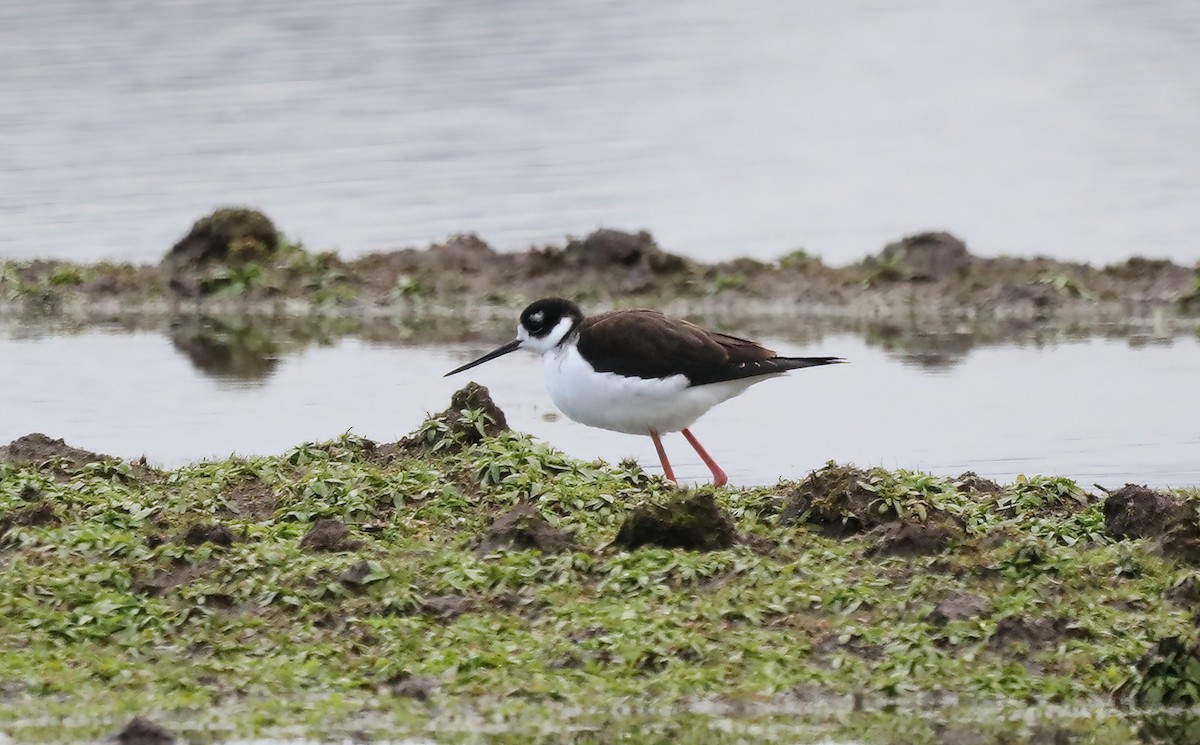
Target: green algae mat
x,y
471,584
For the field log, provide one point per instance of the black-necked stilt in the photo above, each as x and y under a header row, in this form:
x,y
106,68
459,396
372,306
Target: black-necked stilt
x,y
639,371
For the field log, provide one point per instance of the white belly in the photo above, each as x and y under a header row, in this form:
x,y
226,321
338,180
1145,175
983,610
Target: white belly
x,y
631,405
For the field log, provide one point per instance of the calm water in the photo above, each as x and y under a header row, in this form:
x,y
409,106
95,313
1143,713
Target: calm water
x,y
1098,410
1068,127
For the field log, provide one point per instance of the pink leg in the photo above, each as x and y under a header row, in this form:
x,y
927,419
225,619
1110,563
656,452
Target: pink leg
x,y
662,456
719,477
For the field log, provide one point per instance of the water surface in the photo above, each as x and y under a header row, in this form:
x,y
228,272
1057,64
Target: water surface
x,y
1070,127
1098,410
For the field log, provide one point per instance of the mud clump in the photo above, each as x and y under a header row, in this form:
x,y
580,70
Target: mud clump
x,y
1185,592
842,501
923,257
1168,675
1134,511
521,529
36,514
1035,633
854,644
457,427
141,731
1139,512
463,254
958,606
445,607
356,575
214,533
252,497
913,538
329,535
419,687
627,262
174,576
694,523
836,501
38,449
605,248
976,484
230,235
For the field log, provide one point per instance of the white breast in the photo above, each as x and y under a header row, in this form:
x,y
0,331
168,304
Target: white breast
x,y
631,405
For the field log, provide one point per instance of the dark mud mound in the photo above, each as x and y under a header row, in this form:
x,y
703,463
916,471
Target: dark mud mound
x,y
471,417
215,533
1134,511
445,607
38,449
419,687
694,523
958,606
973,483
915,538
329,535
141,731
842,501
521,529
1168,675
623,262
1140,512
252,498
1033,632
157,582
462,254
229,235
837,501
923,257
38,513
636,255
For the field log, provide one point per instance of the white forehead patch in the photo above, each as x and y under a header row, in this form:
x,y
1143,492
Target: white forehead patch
x,y
538,317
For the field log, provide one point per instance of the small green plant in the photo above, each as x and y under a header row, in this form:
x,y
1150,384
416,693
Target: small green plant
x,y
65,275
407,287
233,281
1066,284
10,280
886,267
725,282
1034,493
799,260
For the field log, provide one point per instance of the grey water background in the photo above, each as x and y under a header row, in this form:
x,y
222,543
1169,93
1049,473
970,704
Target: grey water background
x,y
1068,127
1098,410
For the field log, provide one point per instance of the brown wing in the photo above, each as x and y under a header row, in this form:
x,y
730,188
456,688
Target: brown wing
x,y
648,344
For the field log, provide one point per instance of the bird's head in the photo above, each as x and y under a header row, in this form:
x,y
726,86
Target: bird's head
x,y
544,325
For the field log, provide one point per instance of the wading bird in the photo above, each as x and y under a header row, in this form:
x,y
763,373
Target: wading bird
x,y
639,371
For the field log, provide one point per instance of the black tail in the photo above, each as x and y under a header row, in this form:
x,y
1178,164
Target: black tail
x,y
796,363
758,368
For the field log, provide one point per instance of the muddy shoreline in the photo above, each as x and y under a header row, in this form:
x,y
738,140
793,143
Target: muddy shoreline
x,y
471,573
928,282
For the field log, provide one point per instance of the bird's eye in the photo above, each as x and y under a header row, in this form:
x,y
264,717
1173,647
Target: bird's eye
x,y
535,322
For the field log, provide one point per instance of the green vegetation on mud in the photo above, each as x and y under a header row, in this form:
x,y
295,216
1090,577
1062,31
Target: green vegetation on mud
x,y
349,587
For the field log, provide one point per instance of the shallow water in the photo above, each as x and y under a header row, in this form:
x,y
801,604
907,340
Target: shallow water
x,y
1102,411
1070,128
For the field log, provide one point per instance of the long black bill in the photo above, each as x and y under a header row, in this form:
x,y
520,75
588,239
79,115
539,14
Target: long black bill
x,y
512,346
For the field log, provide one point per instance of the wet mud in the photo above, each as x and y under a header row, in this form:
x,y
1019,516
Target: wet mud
x,y
695,523
521,529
